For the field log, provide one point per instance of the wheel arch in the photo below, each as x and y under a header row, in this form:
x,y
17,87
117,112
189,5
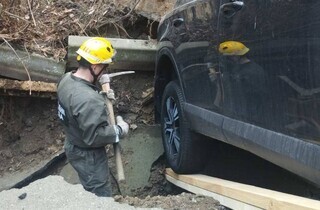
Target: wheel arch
x,y
166,71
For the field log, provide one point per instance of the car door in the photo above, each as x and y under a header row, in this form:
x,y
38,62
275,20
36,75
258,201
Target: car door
x,y
244,80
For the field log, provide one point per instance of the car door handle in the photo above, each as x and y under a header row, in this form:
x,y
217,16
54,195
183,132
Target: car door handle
x,y
178,22
230,9
235,4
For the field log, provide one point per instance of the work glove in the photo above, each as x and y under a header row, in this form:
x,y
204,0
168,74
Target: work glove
x,y
124,127
109,94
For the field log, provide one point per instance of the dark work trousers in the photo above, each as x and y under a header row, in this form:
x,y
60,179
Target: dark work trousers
x,y
92,168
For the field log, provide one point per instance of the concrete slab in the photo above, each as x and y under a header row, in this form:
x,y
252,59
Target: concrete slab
x,y
53,193
69,174
132,54
22,178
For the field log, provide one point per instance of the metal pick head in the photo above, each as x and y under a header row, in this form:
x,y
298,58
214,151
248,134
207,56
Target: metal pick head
x,y
120,73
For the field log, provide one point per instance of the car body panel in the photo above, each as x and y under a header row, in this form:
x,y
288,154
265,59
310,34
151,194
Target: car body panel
x,y
288,152
204,121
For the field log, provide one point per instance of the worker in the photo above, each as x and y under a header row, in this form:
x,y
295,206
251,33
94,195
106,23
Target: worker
x,y
82,111
244,81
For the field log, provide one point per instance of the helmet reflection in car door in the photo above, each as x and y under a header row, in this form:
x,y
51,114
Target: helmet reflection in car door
x,y
244,83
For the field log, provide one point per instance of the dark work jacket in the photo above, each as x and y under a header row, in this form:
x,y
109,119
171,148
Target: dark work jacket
x,y
82,111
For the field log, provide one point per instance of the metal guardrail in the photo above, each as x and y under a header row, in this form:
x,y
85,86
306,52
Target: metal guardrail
x,y
40,68
132,54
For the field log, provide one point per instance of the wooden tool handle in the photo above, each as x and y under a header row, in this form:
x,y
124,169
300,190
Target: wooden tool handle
x,y
117,152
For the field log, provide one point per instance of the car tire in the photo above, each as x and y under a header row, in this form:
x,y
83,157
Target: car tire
x,y
184,149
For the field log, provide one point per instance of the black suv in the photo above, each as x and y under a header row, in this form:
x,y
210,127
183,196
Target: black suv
x,y
246,73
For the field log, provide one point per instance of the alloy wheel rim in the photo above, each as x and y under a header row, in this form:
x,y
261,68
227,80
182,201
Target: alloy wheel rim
x,y
172,126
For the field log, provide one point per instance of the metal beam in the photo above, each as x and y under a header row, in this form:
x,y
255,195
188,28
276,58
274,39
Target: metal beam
x,y
132,54
13,63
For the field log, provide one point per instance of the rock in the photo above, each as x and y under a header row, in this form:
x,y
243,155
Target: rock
x,y
133,127
22,196
6,153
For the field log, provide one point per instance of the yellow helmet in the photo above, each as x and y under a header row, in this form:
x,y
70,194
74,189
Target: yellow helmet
x,y
233,48
96,50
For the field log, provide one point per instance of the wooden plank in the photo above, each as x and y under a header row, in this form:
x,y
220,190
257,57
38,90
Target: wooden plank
x,y
27,88
27,85
254,196
226,201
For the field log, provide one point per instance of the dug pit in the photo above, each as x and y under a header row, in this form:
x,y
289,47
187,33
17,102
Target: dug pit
x,y
31,134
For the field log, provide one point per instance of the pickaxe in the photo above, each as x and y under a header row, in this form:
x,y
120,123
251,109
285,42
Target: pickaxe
x,y
105,83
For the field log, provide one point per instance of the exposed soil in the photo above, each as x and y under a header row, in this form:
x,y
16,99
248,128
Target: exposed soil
x,y
162,194
185,201
30,132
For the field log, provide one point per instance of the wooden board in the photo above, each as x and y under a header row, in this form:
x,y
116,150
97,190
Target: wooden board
x,y
25,88
255,197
